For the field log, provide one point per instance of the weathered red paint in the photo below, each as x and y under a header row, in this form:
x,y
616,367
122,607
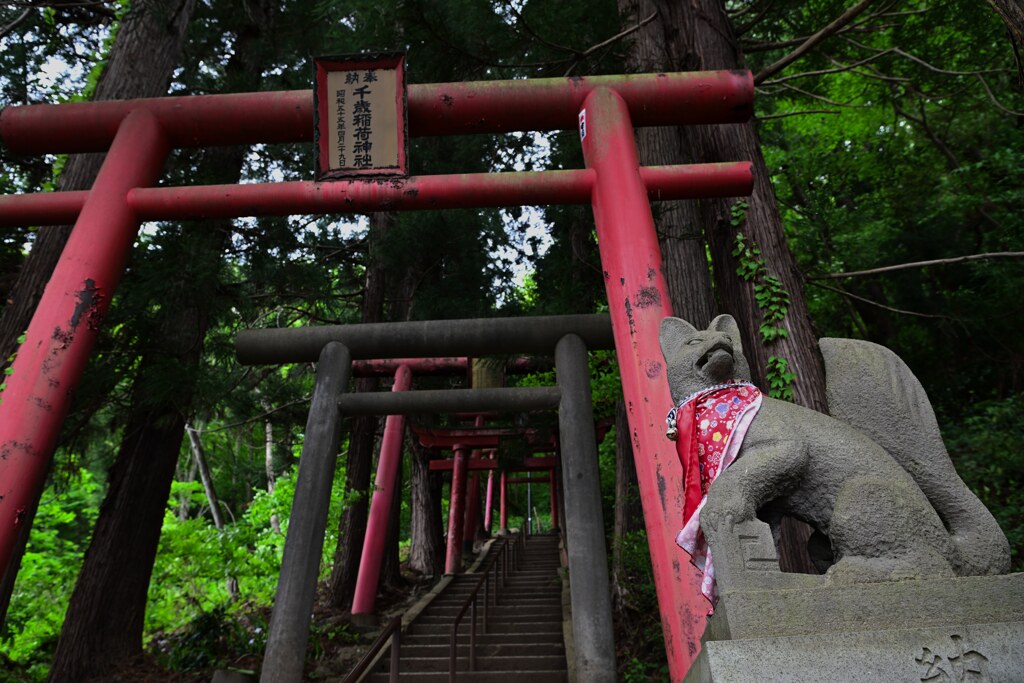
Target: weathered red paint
x,y
456,512
489,501
503,505
638,301
51,362
487,437
528,465
416,193
380,505
418,366
434,109
41,208
66,323
527,480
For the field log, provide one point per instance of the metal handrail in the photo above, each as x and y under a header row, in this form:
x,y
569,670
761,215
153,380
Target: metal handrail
x,y
392,631
498,564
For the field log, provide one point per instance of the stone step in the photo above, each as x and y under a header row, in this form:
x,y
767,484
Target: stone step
x,y
525,589
493,620
508,605
491,649
444,606
519,663
496,627
548,584
554,676
443,637
521,580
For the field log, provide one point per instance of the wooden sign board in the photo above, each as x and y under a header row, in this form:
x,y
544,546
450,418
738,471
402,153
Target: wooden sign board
x,y
359,116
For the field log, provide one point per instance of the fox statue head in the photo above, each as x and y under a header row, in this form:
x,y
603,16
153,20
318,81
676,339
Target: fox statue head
x,y
697,359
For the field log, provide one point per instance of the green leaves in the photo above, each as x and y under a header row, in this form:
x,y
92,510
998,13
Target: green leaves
x,y
780,379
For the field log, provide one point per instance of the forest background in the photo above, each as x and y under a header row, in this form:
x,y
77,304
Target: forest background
x,y
888,144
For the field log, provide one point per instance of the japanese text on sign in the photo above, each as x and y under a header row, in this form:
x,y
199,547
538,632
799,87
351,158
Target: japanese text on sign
x,y
362,119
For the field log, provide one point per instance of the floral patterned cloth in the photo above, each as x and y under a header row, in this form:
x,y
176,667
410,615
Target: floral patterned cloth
x,y
711,425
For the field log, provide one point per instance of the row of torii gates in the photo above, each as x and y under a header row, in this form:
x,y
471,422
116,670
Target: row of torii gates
x,y
138,136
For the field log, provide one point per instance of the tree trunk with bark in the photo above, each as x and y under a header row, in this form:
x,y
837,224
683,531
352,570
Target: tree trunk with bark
x,y
199,455
697,36
140,64
426,532
105,618
1012,14
680,232
391,569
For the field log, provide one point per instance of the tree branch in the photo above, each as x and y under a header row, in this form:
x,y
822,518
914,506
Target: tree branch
x,y
840,67
740,30
14,24
815,96
813,41
922,264
797,113
843,292
604,43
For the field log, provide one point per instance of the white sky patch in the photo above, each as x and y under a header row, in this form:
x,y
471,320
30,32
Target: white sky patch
x,y
530,233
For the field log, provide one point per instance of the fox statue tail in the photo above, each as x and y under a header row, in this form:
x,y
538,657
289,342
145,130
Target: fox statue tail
x,y
871,388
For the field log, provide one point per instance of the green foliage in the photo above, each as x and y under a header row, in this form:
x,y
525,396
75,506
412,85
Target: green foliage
x,y
195,560
780,378
48,572
640,628
773,301
985,447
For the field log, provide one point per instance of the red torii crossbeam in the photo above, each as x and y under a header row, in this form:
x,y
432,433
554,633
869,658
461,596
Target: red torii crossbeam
x,y
140,134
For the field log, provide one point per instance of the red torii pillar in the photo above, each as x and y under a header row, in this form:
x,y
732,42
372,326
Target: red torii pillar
x,y
489,502
456,512
638,302
387,470
64,327
613,182
473,503
503,506
380,505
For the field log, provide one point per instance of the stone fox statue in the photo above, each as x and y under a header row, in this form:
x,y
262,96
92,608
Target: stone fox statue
x,y
874,480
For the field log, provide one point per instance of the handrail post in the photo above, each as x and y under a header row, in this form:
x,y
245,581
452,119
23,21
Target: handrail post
x,y
487,595
396,645
472,639
451,652
392,632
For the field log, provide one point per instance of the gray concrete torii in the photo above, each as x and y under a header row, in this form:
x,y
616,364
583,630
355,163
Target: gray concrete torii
x,y
335,347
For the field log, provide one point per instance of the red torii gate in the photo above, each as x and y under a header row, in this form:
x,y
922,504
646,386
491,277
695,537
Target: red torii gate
x,y
140,134
460,441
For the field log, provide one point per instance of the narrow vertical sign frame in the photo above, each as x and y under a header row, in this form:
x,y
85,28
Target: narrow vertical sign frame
x,y
360,116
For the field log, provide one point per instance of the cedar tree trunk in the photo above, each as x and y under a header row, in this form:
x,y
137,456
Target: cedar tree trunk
x,y
697,36
140,64
105,618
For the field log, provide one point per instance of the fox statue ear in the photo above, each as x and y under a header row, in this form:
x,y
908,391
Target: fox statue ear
x,y
727,325
673,331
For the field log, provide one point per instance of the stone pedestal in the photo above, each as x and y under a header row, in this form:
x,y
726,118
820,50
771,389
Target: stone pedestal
x,y
770,626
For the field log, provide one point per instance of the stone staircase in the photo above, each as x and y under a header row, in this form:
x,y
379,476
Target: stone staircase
x,y
523,640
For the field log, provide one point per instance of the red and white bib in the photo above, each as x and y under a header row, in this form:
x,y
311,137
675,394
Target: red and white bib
x,y
711,425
